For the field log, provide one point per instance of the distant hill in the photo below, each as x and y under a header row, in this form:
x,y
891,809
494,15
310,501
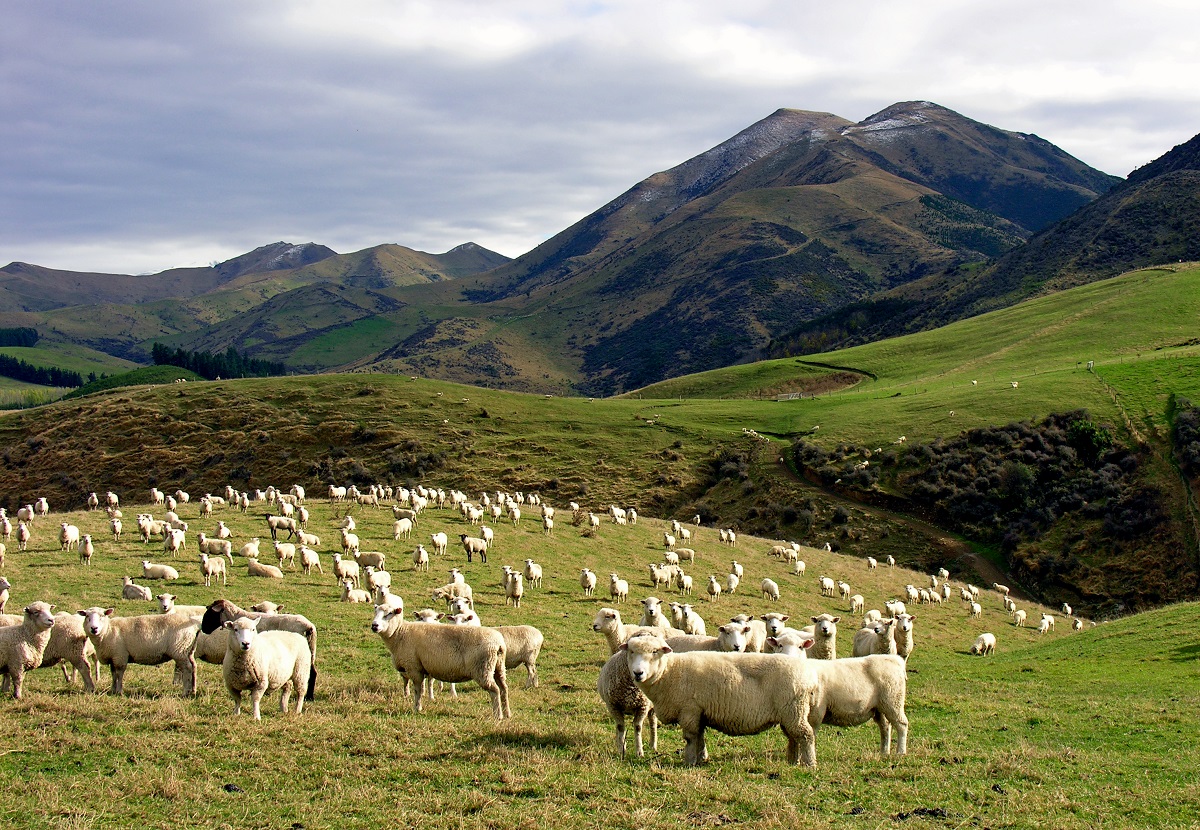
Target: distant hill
x,y
803,213
1153,217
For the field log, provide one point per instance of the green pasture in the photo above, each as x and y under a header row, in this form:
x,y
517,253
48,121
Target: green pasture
x,y
69,356
1055,731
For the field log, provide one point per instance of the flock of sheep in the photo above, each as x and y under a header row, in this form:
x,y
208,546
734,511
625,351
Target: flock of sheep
x,y
756,672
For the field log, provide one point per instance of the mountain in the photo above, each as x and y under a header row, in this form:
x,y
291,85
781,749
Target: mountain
x,y
278,256
803,213
1152,217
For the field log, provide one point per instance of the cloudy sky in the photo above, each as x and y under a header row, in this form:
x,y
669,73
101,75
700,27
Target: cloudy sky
x,y
137,136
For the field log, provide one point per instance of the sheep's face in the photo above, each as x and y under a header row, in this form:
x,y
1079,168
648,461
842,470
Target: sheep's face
x,y
242,633
733,636
605,618
825,625
904,623
95,620
646,657
40,613
775,623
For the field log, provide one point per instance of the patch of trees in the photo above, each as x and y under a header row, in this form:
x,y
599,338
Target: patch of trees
x,y
42,375
1008,484
228,364
22,336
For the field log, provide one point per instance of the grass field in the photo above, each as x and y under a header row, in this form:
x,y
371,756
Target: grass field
x,y
1056,731
70,357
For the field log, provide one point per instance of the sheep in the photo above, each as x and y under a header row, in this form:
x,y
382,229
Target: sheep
x,y
68,537
533,573
790,643
174,540
384,596
24,534
215,547
912,594
824,631
440,542
652,615
1019,617
872,563
684,581
86,550
757,638
692,622
618,589
164,572
828,586
69,645
871,616
594,522
976,610
522,645
1044,626
1077,624
1010,604
984,644
587,581
622,697
5,585
41,507
474,545
256,568
670,557
23,646
668,541
350,543
857,689
736,568
770,589
731,637
891,561
608,622
166,605
371,559
285,552
857,603
660,576
146,639
223,532
736,694
401,529
352,594
514,589
1002,589
548,525
895,607
345,569
1048,619
453,589
222,610
798,567
251,549
1066,609
267,607
420,559
450,653
878,638
262,662
714,589
310,559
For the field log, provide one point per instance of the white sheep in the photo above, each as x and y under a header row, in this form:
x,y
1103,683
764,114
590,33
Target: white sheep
x,y
1066,609
984,644
86,550
737,694
136,592
533,573
618,589
891,561
251,549
714,589
735,567
756,639
522,645
451,590
69,645
474,546
693,623
828,586
310,559
22,646
608,622
146,639
770,589
450,653
1077,624
854,690
514,589
877,638
872,563
622,697
653,617
68,537
262,662
587,581
824,631
732,581
352,594
166,605
857,603
798,567
152,571
222,610
976,610
285,552
371,558
1003,589
256,568
24,535
5,585
420,559
1019,617
345,569
174,540
440,542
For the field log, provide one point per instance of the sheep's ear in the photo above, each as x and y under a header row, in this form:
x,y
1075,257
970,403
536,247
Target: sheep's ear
x,y
912,616
667,649
837,619
108,612
814,619
807,643
784,618
81,613
227,624
625,647
773,642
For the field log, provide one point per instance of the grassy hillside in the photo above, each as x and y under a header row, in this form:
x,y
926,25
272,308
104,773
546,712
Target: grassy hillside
x,y
1044,734
72,357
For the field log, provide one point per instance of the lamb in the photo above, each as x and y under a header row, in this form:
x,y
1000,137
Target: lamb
x,y
872,563
152,571
736,694
146,639
166,605
857,603
310,540
618,589
137,592
824,631
250,550
652,615
891,561
1003,589
69,645
770,589
984,644
976,610
256,568
370,559
660,576
23,646
736,568
685,582
790,643
352,594
682,554
533,573
1047,621
215,547
222,610
828,587
1077,624
904,635
587,581
548,525
267,607
401,529
1066,609
1019,617
453,589
895,607
86,550
692,622
473,545
714,589
350,543
798,567
384,596
450,653
24,534
522,645
174,540
261,663
622,697
440,542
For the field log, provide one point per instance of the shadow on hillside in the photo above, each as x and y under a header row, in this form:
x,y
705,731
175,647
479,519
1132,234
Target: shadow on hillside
x,y
1186,654
533,740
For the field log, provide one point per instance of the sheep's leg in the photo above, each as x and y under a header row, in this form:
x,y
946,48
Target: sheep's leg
x,y
418,687
188,667
694,743
256,695
17,673
285,696
237,701
653,731
619,720
118,679
532,681
502,682
84,668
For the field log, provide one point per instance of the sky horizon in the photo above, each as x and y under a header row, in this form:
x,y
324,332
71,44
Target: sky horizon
x,y
141,137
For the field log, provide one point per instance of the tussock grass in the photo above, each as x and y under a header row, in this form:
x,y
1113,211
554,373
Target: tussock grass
x,y
1054,731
